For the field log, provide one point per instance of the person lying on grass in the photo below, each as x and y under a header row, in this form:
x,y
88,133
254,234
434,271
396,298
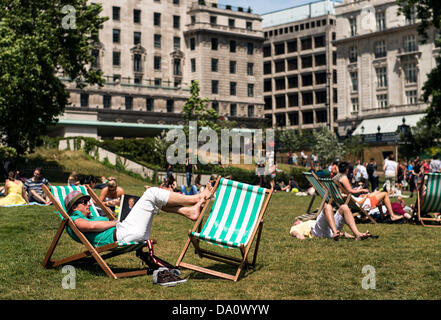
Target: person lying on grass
x,y
328,225
136,227
367,200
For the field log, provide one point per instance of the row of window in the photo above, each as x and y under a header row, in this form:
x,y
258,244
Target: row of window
x,y
150,104
282,102
380,21
116,38
233,88
289,64
116,16
291,45
231,22
410,76
232,66
215,45
290,82
382,100
380,50
298,27
321,116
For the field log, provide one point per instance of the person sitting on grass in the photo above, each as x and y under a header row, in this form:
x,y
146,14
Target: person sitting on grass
x,y
366,200
111,194
136,227
33,187
328,225
15,193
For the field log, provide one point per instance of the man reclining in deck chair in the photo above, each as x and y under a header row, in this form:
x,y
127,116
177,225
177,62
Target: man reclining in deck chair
x,y
329,225
136,227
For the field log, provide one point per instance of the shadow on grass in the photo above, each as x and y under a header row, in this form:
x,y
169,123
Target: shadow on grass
x,y
224,268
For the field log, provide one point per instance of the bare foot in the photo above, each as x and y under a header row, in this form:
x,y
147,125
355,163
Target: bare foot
x,y
205,194
194,211
363,236
395,217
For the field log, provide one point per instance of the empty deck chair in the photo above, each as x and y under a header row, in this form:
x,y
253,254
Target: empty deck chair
x,y
429,199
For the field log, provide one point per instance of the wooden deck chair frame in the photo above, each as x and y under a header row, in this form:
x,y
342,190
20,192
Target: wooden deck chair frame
x,y
91,251
431,201
245,250
320,191
348,200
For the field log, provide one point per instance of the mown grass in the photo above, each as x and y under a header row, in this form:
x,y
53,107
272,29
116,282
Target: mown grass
x,y
405,258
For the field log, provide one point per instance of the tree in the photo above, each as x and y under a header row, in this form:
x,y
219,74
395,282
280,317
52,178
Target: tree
x,y
326,147
429,14
40,40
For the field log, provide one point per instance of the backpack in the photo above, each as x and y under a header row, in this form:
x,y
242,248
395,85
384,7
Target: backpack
x,y
370,169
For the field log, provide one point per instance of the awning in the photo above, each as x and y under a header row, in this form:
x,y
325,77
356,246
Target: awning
x,y
387,124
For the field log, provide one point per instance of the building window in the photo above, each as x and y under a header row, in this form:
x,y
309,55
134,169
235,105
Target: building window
x,y
293,118
213,20
116,36
84,99
412,97
307,79
149,104
267,85
382,101
307,98
176,43
280,101
156,19
137,65
380,49
136,16
250,90
129,103
319,41
320,77
410,43
136,37
267,68
354,81
266,51
281,120
279,65
157,41
214,86
233,109
306,62
292,64
176,2
177,67
192,43
193,65
176,22
96,58
157,62
354,102
381,77
232,66
279,48
232,46
116,58
157,82
411,73
249,25
280,83
116,78
412,17
268,103
250,111
321,116
293,82
308,117
214,43
250,68
214,65
233,86
250,48
320,59
380,17
353,54
116,13
293,100
231,23
353,26
306,43
292,46
107,101
170,106
320,97
215,106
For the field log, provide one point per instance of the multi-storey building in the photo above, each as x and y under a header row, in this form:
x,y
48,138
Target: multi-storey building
x,y
299,67
150,51
381,67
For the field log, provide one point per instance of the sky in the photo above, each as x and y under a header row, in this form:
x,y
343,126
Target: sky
x,y
265,6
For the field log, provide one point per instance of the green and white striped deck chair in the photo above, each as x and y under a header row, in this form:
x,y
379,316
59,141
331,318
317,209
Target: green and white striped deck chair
x,y
57,195
429,199
337,198
320,191
235,218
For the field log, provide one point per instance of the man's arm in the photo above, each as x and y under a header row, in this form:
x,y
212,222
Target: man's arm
x,y
345,182
93,226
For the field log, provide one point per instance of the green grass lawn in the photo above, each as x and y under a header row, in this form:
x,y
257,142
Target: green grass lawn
x,y
406,259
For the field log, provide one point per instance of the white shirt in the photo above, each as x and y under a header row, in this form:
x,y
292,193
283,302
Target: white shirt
x,y
390,166
435,165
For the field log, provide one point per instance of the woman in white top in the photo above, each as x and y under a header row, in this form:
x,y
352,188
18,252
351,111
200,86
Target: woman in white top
x,y
390,172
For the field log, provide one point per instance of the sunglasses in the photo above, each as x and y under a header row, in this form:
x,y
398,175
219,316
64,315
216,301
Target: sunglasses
x,y
84,201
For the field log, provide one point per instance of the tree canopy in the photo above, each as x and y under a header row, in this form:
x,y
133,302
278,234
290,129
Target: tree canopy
x,y
39,41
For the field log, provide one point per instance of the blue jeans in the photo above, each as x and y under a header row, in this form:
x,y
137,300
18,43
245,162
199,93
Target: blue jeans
x,y
192,191
188,176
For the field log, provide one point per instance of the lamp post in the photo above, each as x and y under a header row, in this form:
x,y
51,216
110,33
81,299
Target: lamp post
x,y
379,135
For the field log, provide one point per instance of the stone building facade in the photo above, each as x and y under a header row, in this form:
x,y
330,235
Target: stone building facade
x,y
381,65
150,51
299,67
